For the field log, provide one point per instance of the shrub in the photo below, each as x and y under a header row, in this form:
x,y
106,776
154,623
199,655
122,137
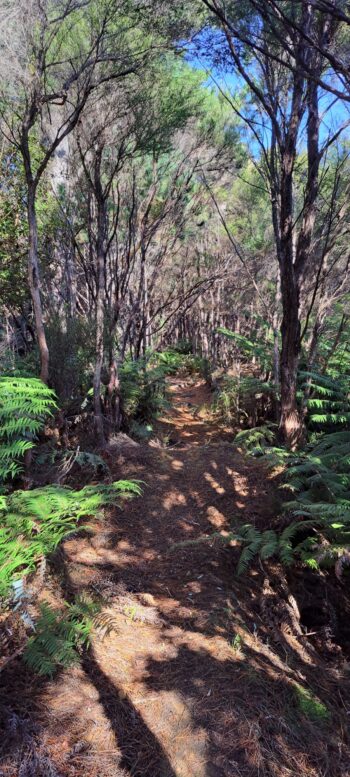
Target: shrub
x,y
244,400
257,440
319,480
143,391
72,358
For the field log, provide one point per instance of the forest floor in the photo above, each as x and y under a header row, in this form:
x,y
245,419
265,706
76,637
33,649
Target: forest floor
x,y
199,677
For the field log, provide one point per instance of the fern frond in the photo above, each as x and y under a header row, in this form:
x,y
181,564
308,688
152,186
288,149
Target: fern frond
x,y
25,403
256,439
33,523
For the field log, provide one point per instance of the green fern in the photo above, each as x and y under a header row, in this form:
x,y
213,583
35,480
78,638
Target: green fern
x,y
255,441
267,544
143,389
59,636
33,523
25,403
257,544
319,478
327,399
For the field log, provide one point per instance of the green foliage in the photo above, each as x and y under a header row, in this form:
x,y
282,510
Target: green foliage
x,y
243,400
250,223
59,636
13,233
173,360
20,366
255,543
174,94
310,705
63,461
25,403
144,387
256,441
33,523
237,643
320,480
143,390
265,544
226,405
72,357
257,345
327,402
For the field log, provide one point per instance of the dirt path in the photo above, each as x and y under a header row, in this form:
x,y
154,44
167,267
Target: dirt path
x,y
187,684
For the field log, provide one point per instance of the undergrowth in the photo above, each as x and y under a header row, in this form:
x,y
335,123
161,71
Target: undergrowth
x,y
244,400
317,478
61,635
33,523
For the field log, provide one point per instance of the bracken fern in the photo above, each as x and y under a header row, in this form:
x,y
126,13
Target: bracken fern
x,y
25,403
33,523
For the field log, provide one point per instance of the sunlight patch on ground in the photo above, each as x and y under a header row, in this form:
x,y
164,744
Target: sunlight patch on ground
x,y
214,484
173,499
177,465
215,517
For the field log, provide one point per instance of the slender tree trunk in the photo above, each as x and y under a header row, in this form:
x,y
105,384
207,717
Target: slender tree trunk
x,y
101,257
290,422
291,425
34,284
293,263
114,401
276,350
313,346
98,414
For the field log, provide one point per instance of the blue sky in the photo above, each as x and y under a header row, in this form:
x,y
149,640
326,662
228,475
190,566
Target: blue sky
x,y
333,111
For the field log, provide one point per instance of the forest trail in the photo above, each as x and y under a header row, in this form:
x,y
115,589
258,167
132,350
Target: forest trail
x,y
185,684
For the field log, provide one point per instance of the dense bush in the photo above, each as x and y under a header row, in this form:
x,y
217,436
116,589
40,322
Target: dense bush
x,y
319,479
244,401
143,390
326,400
72,350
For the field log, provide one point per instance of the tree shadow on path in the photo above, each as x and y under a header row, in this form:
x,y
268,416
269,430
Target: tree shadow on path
x,y
142,754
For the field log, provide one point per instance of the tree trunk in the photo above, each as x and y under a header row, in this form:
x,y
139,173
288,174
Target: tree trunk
x,y
114,400
101,257
98,414
34,284
290,421
276,350
291,425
